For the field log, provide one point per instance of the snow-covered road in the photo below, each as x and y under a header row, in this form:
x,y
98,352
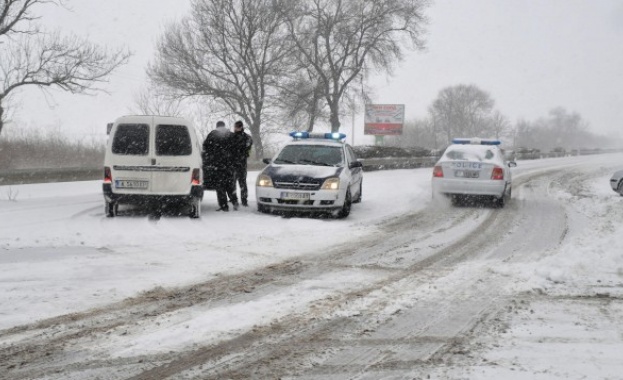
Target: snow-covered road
x,y
404,288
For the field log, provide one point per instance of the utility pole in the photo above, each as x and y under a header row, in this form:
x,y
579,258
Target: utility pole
x,y
353,126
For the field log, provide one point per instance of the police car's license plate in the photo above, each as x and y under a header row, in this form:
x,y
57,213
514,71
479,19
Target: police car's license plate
x,y
131,184
286,195
467,173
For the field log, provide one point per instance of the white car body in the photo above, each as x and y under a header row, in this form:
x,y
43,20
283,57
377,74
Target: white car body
x,y
616,182
473,169
152,159
308,184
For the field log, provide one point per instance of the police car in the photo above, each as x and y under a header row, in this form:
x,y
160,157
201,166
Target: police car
x,y
473,167
317,173
616,182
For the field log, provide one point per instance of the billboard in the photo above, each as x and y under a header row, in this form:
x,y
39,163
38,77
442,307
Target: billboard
x,y
384,119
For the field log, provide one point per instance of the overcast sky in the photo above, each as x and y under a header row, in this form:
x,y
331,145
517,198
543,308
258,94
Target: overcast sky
x,y
529,55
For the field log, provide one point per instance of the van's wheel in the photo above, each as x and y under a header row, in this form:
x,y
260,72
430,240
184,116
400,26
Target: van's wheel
x,y
111,209
345,210
195,208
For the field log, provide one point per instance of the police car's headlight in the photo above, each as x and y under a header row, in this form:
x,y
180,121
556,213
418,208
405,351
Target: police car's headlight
x,y
264,181
331,184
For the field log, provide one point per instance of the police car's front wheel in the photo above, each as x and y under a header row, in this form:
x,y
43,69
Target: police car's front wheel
x,y
360,194
345,210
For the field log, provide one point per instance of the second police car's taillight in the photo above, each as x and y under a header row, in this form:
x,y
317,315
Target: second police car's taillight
x,y
498,173
437,171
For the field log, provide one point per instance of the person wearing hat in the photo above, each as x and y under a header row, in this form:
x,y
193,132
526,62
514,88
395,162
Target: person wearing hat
x,y
241,148
217,162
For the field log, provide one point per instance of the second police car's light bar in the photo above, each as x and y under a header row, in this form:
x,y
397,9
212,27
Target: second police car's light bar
x,y
307,135
475,141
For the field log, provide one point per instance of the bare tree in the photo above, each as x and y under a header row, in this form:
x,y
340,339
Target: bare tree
x,y
233,51
30,57
560,129
17,13
152,101
416,133
339,39
463,110
302,100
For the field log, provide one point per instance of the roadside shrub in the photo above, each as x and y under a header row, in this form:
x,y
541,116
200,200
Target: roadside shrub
x,y
373,151
35,149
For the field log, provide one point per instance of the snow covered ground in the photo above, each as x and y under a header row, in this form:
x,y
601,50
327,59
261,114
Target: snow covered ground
x,y
59,255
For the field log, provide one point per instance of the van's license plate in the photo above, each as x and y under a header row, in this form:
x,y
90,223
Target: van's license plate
x,y
131,184
285,195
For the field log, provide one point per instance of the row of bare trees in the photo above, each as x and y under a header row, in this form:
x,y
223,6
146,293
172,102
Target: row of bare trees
x,y
50,148
559,130
31,56
468,111
269,61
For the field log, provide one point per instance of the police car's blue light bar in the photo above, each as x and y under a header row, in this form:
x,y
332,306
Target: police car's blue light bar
x,y
335,136
307,135
476,141
299,135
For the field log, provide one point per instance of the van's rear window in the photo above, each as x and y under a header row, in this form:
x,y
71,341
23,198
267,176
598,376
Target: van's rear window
x,y
131,139
173,140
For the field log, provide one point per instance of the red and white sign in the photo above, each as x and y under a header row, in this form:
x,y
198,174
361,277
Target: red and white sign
x,y
384,119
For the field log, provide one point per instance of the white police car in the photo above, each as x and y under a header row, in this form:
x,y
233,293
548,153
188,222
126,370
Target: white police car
x,y
317,173
473,167
616,182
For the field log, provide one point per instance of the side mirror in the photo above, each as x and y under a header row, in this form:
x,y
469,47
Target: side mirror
x,y
266,160
108,128
512,164
356,164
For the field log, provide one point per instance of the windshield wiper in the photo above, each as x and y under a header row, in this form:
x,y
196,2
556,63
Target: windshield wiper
x,y
278,161
310,162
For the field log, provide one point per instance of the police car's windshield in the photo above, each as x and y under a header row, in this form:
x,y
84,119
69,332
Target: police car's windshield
x,y
310,155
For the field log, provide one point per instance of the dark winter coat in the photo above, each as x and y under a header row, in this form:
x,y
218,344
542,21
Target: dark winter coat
x,y
217,160
217,149
241,148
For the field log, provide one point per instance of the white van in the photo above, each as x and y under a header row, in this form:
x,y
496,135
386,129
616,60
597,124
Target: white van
x,y
152,159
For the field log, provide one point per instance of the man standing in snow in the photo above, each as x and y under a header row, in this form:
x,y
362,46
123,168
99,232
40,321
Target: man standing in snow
x,y
217,164
241,148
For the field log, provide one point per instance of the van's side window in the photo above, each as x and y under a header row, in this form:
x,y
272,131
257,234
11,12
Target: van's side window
x,y
173,140
131,139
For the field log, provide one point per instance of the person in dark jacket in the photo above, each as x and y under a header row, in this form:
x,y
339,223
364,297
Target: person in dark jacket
x,y
217,165
241,148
